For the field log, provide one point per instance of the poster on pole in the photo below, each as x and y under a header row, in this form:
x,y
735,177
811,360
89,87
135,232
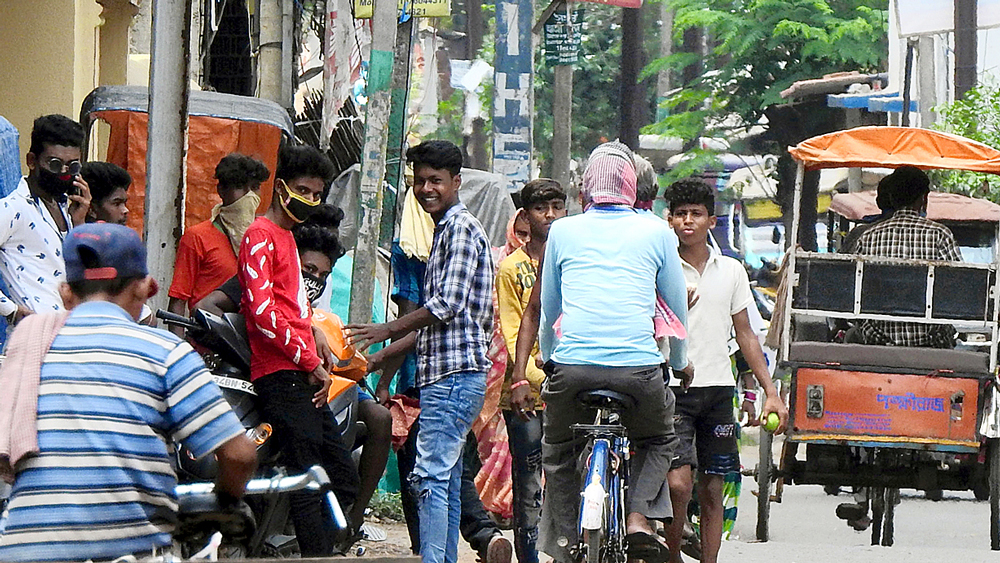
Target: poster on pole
x,y
363,9
513,100
563,35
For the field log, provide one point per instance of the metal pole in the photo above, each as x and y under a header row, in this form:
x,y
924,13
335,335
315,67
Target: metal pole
x,y
167,138
373,159
790,281
907,84
965,46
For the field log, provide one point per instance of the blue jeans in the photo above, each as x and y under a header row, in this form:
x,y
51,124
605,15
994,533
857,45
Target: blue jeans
x,y
525,439
447,409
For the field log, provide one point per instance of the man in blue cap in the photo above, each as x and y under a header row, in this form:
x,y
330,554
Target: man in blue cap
x,y
90,461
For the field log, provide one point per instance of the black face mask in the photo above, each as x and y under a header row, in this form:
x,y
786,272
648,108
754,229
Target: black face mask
x,y
299,208
54,185
314,286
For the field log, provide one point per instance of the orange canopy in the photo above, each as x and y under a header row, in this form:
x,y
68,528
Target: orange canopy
x,y
209,139
940,207
892,147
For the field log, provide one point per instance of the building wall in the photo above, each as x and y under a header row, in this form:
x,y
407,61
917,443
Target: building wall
x,y
51,54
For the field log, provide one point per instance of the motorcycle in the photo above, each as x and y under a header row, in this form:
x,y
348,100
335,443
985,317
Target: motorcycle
x,y
260,526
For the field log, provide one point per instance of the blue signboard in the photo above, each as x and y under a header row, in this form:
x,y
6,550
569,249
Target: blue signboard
x,y
513,100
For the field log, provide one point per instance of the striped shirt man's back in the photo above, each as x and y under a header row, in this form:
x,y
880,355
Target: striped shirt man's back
x,y
112,394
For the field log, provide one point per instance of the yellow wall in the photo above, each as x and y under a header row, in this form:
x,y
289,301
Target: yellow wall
x,y
51,56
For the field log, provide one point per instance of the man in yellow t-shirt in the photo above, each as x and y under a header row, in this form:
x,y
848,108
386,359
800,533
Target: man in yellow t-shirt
x,y
543,201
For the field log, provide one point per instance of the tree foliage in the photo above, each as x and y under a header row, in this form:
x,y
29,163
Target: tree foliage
x,y
976,116
596,81
759,48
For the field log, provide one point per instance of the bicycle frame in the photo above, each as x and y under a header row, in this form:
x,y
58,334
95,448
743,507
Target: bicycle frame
x,y
601,524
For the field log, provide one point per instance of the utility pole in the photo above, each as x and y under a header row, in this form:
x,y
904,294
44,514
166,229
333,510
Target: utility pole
x,y
394,157
373,159
631,99
166,138
562,123
273,71
664,82
966,24
474,38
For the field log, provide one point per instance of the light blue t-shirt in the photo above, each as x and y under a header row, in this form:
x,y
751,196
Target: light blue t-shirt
x,y
601,272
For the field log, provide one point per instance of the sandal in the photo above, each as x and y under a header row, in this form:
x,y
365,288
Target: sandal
x,y
648,547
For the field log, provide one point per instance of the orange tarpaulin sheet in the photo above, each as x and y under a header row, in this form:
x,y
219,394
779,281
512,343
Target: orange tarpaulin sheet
x,y
940,207
892,147
209,139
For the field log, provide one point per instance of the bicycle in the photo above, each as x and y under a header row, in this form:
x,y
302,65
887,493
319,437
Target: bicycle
x,y
602,527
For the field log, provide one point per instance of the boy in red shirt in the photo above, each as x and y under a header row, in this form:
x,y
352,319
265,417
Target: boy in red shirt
x,y
206,254
288,375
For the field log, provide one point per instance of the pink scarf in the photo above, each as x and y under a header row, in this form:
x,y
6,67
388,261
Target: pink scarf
x,y
20,378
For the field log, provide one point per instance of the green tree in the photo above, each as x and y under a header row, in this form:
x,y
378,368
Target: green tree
x,y
758,49
596,84
976,116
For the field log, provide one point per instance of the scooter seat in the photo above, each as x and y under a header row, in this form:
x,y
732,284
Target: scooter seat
x,y
605,399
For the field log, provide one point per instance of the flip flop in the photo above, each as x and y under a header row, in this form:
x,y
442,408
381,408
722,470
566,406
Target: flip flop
x,y
649,548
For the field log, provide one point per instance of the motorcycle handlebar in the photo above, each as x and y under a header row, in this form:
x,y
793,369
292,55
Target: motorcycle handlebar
x,y
314,479
175,319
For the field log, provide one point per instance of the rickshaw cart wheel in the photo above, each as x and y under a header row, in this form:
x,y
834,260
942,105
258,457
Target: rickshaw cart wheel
x,y
765,468
994,469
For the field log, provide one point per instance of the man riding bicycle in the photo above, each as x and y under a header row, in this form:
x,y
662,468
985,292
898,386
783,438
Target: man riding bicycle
x,y
602,272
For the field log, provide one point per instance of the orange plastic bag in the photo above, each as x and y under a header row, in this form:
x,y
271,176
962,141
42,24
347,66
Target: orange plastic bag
x,y
348,362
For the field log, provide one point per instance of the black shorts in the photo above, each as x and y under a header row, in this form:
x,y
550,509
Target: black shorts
x,y
706,430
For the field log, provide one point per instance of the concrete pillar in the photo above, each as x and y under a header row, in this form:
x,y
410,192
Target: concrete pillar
x,y
167,134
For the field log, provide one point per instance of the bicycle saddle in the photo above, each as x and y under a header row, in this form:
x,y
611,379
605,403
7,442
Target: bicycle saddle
x,y
605,399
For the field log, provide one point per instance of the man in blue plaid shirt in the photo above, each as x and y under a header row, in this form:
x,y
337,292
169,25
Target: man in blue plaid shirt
x,y
451,333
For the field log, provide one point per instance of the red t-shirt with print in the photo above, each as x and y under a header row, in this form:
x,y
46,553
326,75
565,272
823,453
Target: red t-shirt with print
x,y
274,301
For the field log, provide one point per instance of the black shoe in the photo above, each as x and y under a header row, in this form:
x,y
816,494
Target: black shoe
x,y
851,511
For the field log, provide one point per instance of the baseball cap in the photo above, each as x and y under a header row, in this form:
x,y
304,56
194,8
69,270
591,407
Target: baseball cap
x,y
610,175
103,251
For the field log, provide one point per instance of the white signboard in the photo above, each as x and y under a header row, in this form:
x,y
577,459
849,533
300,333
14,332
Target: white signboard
x,y
928,17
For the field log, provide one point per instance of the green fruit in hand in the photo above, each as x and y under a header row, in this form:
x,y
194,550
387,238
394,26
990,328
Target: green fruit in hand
x,y
771,424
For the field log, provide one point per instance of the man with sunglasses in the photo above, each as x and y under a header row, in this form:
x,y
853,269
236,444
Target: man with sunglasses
x,y
34,219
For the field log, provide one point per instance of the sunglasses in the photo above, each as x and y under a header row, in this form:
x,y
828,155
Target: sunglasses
x,y
57,166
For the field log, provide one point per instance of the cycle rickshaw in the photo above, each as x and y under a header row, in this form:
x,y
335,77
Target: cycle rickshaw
x,y
881,417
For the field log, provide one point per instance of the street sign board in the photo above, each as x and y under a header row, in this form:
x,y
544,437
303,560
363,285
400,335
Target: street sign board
x,y
562,37
363,9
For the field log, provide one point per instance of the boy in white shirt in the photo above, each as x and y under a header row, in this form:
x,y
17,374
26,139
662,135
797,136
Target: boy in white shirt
x,y
703,418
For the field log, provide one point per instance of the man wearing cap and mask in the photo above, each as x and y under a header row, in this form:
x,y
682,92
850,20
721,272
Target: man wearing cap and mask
x,y
910,235
34,219
206,254
288,374
602,272
90,459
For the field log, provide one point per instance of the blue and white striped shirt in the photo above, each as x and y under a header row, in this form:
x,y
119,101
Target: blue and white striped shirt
x,y
113,394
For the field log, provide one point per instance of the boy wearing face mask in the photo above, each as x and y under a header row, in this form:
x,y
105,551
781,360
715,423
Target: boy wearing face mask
x,y
287,373
47,203
206,254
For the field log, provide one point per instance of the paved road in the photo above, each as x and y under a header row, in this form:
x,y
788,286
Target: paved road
x,y
804,529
